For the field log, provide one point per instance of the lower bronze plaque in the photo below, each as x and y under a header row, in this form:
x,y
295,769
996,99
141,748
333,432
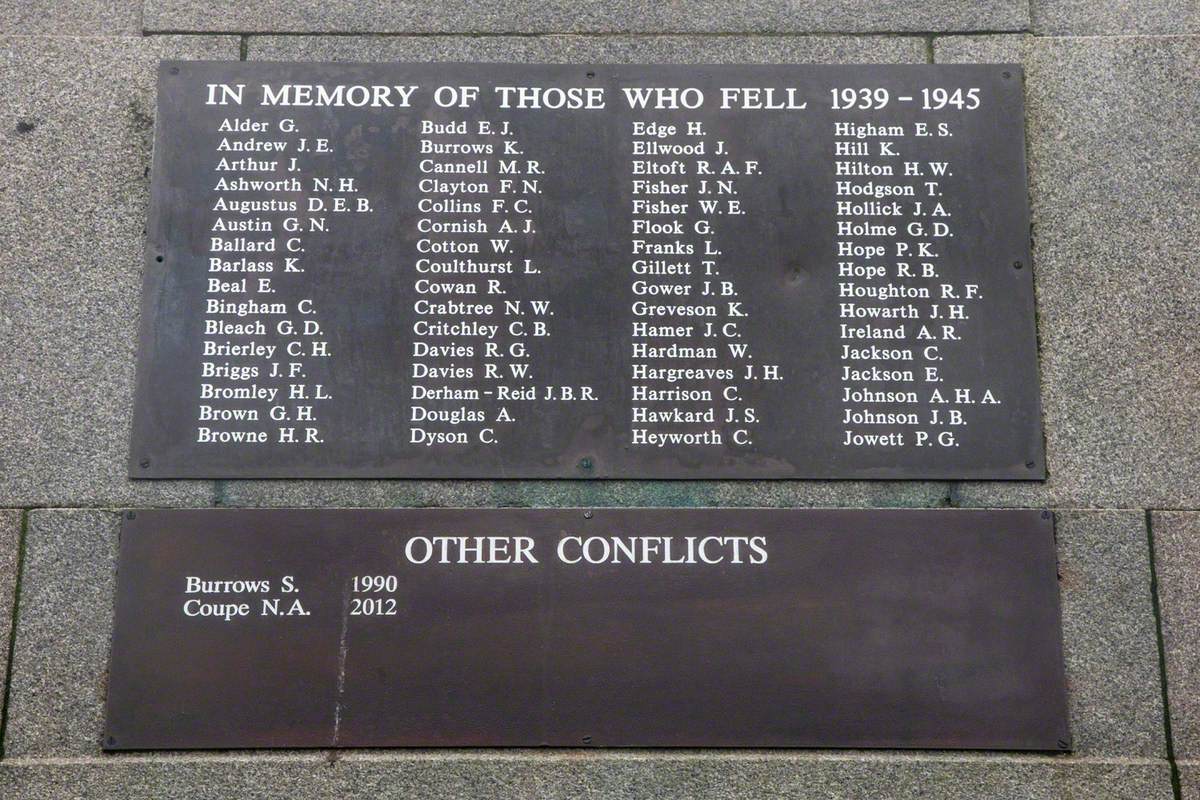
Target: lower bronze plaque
x,y
614,627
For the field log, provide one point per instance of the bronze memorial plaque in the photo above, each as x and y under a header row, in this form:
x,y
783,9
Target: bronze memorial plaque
x,y
606,271
569,627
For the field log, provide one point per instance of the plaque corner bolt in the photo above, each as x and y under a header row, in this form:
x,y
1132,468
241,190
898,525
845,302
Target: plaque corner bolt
x,y
1030,464
1018,264
144,463
174,70
130,515
1006,74
587,515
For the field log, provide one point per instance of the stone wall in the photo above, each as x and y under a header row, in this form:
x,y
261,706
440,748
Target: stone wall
x,y
1113,96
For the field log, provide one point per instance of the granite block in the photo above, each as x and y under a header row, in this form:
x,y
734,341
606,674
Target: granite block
x,y
550,494
606,16
1177,564
1109,634
1189,779
1114,17
1112,125
10,553
664,775
600,49
75,142
60,657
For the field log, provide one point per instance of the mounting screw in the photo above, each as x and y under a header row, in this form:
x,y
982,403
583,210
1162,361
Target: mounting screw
x,y
1046,515
144,463
1006,74
1063,744
110,741
587,740
130,515
1030,464
591,74
587,515
159,259
174,70
585,462
1017,265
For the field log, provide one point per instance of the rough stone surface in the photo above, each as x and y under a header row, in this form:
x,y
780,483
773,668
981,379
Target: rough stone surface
x,y
568,49
1189,779
1112,126
76,117
1115,17
664,775
535,494
10,542
606,16
60,659
1176,555
614,49
71,17
1109,634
